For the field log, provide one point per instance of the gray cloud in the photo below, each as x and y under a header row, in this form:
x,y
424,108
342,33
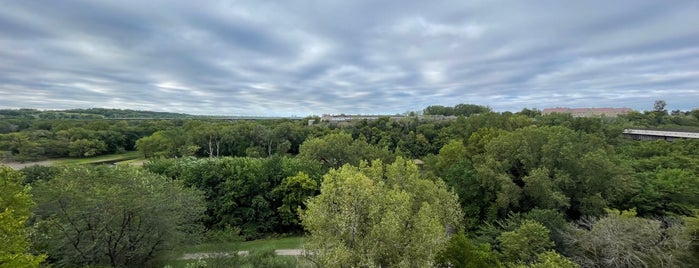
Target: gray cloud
x,y
307,57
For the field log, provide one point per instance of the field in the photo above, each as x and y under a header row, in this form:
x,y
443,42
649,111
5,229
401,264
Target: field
x,y
259,250
130,158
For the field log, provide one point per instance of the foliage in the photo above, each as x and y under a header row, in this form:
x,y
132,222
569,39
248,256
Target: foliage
x,y
551,168
15,205
626,241
463,252
379,215
86,148
240,191
524,243
458,110
293,191
336,150
35,173
551,259
121,217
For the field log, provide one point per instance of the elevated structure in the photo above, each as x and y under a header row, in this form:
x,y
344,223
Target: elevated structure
x,y
342,118
588,112
640,134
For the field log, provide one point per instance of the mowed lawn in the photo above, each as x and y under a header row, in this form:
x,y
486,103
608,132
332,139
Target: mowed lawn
x,y
108,158
291,242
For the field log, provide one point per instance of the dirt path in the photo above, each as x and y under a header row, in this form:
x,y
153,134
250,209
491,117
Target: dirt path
x,y
20,165
211,255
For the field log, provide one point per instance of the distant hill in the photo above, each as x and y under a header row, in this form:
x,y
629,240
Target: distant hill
x,y
92,113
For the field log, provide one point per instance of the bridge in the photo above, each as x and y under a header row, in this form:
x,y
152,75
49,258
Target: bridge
x,y
640,134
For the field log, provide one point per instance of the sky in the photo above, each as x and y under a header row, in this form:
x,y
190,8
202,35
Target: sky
x,y
299,58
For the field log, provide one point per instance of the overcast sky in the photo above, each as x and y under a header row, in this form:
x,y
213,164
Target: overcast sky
x,y
283,58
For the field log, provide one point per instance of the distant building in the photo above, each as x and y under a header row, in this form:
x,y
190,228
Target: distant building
x,y
588,112
342,118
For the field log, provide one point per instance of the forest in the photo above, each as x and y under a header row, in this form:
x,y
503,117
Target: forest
x,y
459,186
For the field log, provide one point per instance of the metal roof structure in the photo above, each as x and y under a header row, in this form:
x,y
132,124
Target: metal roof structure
x,y
673,134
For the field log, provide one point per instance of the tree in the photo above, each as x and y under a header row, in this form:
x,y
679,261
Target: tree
x,y
464,253
379,216
552,167
551,259
293,191
659,106
623,240
525,243
86,148
667,191
335,150
116,216
15,205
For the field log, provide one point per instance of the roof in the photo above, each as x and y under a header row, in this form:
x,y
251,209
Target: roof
x,y
675,134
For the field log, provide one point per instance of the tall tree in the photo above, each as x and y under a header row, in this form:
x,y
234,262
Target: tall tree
x,y
120,217
379,216
15,205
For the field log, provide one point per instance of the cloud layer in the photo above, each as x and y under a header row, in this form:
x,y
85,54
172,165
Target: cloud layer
x,y
313,57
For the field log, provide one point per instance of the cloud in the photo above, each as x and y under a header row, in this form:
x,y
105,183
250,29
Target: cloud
x,y
304,57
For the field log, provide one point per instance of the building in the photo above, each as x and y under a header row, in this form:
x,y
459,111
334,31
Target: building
x,y
588,112
343,118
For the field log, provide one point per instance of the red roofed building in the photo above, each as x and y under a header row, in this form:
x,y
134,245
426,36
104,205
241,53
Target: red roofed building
x,y
588,112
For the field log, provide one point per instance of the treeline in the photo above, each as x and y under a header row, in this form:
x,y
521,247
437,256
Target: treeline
x,y
91,113
484,190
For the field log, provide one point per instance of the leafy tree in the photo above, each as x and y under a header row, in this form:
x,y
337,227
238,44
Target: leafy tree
x,y
552,167
667,191
379,216
626,241
695,113
86,148
15,205
115,216
335,150
463,252
35,173
551,259
525,243
240,191
294,191
659,106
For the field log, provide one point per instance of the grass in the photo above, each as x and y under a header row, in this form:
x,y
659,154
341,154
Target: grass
x,y
291,242
108,158
270,244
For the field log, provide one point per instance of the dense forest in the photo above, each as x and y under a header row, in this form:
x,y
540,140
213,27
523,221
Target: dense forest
x,y
459,186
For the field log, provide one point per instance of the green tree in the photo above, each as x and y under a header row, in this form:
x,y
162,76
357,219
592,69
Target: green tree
x,y
115,216
294,191
465,253
15,205
86,148
551,259
335,150
525,243
667,191
623,240
552,167
379,216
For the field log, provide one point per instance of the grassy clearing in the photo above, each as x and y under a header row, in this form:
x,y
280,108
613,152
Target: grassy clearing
x,y
109,158
255,247
291,242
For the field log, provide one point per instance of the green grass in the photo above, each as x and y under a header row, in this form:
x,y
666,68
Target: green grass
x,y
270,244
111,158
291,242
